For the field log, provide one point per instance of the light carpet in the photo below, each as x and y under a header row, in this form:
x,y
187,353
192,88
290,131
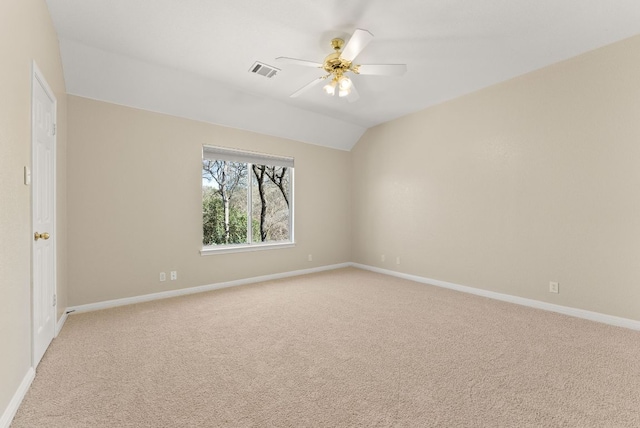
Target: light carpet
x,y
344,348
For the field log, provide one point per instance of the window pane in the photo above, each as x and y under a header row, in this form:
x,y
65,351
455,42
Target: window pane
x,y
270,196
246,198
224,202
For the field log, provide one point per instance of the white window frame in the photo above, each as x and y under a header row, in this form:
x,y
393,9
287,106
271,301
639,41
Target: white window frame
x,y
250,158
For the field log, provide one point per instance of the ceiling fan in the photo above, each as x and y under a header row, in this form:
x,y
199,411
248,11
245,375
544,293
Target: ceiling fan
x,y
340,62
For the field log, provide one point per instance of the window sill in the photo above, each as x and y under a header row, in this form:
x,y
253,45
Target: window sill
x,y
241,248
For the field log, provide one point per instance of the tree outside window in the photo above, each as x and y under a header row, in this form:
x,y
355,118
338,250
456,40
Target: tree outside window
x,y
246,198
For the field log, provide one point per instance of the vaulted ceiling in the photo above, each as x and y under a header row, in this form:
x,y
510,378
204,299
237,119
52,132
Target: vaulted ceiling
x,y
191,58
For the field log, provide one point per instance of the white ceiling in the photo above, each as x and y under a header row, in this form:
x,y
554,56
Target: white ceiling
x,y
190,58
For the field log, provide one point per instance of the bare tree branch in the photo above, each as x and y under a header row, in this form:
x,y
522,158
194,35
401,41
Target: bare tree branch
x,y
277,175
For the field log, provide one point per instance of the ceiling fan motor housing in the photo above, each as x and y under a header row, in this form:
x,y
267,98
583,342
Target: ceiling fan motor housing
x,y
335,65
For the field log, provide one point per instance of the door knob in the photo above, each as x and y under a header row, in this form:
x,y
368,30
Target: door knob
x,y
44,236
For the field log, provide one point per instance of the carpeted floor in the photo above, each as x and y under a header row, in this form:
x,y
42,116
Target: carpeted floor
x,y
345,348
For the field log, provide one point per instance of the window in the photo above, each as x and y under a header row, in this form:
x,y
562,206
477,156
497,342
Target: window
x,y
247,200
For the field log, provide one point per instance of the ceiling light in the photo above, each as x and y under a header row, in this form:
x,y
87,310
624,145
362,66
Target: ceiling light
x,y
344,92
330,88
344,82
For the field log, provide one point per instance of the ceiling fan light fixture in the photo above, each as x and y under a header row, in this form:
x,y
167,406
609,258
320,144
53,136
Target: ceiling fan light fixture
x,y
330,88
344,83
344,92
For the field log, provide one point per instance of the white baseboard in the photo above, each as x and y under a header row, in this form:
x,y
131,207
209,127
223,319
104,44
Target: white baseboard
x,y
14,404
199,289
566,310
61,321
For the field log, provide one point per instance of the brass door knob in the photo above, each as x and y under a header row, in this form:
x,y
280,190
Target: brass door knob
x,y
44,236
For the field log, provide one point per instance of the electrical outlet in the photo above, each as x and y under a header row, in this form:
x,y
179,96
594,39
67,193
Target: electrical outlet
x,y
310,258
174,275
163,276
398,260
382,258
554,287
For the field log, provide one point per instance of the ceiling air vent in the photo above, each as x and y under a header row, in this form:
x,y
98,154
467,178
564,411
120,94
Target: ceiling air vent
x,y
263,69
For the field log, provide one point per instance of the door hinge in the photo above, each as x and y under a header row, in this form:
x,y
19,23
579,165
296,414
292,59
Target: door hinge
x,y
53,129
55,299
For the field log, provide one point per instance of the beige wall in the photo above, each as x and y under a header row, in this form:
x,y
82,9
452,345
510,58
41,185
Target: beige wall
x,y
134,198
528,181
26,34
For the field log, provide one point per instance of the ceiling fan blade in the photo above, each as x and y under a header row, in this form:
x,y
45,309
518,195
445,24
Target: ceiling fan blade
x,y
356,44
296,61
353,95
308,86
382,69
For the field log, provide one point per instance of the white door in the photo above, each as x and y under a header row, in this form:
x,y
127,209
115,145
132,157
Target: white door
x,y
43,143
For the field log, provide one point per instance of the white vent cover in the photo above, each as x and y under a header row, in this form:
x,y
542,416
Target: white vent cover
x,y
263,69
